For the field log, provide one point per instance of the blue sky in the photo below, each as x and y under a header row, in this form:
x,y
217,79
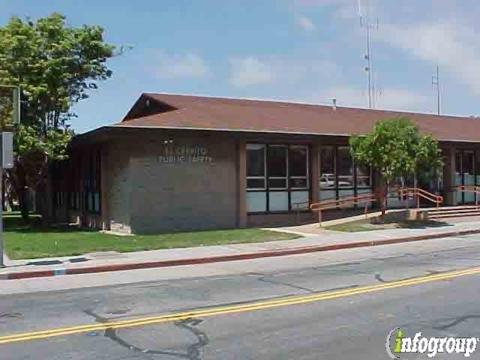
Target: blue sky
x,y
297,50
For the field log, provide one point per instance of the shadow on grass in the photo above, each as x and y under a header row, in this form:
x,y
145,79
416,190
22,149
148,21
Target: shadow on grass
x,y
14,222
387,224
415,224
422,224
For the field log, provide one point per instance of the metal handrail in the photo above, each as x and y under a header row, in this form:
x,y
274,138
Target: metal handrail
x,y
470,188
370,198
421,193
298,207
334,203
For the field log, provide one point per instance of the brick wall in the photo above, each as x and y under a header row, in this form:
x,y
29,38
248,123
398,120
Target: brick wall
x,y
190,186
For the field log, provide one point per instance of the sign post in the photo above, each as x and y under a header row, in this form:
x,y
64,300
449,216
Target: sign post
x,y
6,147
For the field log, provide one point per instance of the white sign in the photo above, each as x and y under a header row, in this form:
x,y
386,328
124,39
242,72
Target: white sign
x,y
7,150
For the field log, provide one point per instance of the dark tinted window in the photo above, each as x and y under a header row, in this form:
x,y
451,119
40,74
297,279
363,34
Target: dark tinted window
x,y
255,160
298,161
277,161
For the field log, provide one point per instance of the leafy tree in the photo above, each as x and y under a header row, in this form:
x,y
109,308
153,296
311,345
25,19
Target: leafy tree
x,y
55,66
395,148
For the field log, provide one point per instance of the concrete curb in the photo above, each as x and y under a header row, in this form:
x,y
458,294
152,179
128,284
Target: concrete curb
x,y
224,258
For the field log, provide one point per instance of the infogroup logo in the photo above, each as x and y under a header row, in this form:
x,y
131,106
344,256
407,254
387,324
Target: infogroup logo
x,y
398,343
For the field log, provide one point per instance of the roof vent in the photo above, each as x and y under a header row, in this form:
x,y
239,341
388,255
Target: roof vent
x,y
334,104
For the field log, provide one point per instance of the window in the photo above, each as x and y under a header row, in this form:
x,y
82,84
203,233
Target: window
x,y
327,167
59,198
364,177
92,183
277,167
298,171
277,178
340,176
344,167
74,200
465,174
256,166
74,183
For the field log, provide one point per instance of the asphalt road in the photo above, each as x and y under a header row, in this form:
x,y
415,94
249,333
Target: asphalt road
x,y
310,309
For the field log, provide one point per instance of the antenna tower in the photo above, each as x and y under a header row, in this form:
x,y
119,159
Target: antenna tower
x,y
436,84
369,68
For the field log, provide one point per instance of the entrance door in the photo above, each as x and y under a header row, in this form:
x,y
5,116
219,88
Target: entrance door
x,y
465,174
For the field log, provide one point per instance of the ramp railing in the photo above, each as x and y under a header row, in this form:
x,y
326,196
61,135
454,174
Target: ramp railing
x,y
470,189
367,199
420,193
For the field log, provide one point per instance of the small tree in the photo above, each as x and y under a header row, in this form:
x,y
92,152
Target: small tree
x,y
395,148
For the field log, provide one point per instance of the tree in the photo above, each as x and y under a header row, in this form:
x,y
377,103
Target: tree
x,y
55,66
395,148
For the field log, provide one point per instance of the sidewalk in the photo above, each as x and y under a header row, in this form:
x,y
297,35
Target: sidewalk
x,y
324,240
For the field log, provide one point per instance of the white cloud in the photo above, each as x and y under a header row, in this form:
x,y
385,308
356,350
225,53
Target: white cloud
x,y
389,98
188,65
454,48
306,23
250,71
282,71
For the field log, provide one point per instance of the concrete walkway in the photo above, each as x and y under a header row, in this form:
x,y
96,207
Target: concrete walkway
x,y
314,240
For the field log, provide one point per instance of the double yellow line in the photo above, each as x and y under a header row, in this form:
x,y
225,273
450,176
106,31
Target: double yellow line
x,y
231,309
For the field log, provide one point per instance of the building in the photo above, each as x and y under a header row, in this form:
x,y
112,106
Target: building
x,y
180,162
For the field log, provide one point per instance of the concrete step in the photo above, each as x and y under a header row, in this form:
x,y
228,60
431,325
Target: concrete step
x,y
445,207
454,215
452,211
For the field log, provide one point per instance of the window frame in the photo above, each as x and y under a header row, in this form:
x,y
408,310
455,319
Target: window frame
x,y
92,183
285,178
287,189
307,167
336,189
264,177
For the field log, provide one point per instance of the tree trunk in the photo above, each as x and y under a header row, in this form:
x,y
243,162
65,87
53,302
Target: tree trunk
x,y
381,195
23,202
29,174
17,180
43,202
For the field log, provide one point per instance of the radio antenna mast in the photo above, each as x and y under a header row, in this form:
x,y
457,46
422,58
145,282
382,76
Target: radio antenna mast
x,y
369,69
436,84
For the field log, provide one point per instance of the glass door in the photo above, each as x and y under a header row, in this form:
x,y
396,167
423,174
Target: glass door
x,y
465,175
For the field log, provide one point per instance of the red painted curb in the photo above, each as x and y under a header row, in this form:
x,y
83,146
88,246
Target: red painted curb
x,y
223,258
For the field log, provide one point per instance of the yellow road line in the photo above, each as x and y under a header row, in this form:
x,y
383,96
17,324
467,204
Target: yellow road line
x,y
231,309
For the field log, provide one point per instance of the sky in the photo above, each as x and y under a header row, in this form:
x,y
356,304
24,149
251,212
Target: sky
x,y
295,50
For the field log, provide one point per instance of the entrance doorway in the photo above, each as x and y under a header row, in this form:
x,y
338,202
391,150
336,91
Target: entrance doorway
x,y
465,174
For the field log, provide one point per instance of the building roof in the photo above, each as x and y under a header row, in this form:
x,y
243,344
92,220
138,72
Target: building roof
x,y
225,114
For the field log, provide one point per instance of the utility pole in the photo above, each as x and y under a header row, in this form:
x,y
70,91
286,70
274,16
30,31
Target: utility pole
x,y
6,156
436,83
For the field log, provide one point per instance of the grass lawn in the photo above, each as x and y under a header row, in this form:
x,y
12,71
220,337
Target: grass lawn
x,y
365,225
31,241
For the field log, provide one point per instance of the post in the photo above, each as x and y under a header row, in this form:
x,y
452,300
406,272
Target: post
x,y
2,263
320,218
6,162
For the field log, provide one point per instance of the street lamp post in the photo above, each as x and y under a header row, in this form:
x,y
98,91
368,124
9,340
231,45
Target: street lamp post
x,y
6,156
